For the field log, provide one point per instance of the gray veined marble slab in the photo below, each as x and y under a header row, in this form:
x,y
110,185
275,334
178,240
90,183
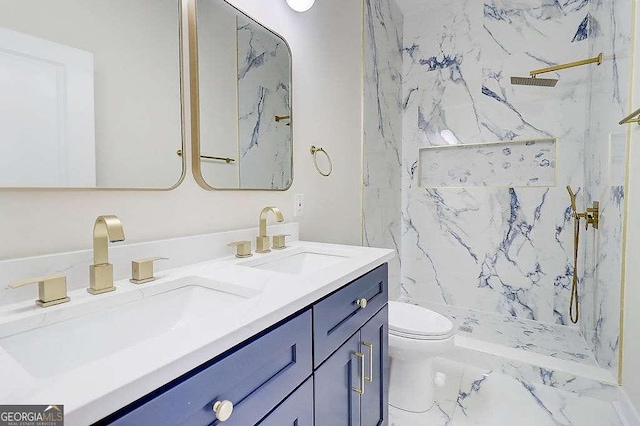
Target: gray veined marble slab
x,y
263,93
503,164
540,354
382,156
475,396
487,398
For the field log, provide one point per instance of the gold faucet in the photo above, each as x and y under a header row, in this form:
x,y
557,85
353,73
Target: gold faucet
x,y
106,228
263,241
52,290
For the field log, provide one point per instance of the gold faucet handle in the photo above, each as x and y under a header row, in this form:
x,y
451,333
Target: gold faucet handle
x,y
279,241
243,248
52,290
142,270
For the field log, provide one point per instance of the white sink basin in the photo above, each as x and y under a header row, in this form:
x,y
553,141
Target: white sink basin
x,y
303,263
74,342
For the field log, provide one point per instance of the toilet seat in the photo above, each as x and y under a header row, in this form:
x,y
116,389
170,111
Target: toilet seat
x,y
418,323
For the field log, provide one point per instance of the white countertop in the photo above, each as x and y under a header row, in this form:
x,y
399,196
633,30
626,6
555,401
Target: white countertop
x,y
101,387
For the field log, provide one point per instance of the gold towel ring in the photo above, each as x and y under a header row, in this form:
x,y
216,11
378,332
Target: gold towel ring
x,y
314,152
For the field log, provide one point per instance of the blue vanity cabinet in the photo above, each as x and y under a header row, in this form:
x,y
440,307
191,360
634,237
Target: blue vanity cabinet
x,y
343,313
337,401
255,379
375,340
351,384
326,366
297,410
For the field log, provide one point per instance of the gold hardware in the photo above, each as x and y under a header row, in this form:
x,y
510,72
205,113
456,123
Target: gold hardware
x,y
106,229
142,270
279,241
208,157
263,240
243,248
362,303
630,118
361,390
551,82
52,290
223,410
279,118
314,152
370,346
597,60
592,217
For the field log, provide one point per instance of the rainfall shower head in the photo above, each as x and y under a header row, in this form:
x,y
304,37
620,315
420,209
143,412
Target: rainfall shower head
x,y
534,81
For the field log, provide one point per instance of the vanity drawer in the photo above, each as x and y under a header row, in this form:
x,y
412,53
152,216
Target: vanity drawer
x,y
297,410
338,316
255,378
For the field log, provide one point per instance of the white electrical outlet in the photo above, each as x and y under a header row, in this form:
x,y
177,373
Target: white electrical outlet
x,y
299,207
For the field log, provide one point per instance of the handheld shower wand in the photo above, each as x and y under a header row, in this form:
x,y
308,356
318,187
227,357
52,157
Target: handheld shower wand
x,y
592,217
574,306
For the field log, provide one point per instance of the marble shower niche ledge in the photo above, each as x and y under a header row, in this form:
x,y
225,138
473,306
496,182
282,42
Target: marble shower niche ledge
x,y
502,164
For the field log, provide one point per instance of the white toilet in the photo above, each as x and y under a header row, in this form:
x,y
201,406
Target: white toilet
x,y
416,335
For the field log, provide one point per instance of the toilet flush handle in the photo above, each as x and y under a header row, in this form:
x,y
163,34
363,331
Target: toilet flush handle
x,y
362,303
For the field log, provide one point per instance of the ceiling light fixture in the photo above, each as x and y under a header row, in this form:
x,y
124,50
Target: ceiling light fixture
x,y
300,5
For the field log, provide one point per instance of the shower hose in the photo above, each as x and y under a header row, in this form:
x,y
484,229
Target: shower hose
x,y
574,308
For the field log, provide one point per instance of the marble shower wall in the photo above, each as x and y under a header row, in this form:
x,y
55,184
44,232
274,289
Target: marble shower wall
x,y
383,130
609,24
500,250
264,74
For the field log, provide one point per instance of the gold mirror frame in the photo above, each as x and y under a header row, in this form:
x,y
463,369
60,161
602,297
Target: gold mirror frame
x,y
183,121
194,86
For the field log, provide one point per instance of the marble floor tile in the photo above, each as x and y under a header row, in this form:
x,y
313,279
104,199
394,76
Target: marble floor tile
x,y
486,398
495,399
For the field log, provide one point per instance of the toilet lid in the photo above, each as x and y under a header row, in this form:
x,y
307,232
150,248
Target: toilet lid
x,y
417,322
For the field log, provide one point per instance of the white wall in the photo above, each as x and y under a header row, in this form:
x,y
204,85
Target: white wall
x,y
135,50
327,75
631,343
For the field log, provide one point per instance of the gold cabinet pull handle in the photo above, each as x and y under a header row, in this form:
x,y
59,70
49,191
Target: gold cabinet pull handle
x,y
223,410
361,390
362,303
370,346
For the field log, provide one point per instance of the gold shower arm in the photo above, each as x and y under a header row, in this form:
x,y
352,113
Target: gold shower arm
x,y
597,60
630,118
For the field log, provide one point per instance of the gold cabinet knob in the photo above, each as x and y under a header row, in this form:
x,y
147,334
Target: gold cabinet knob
x,y
52,290
243,248
223,410
362,303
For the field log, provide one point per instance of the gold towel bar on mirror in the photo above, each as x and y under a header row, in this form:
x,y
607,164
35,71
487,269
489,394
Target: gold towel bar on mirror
x,y
634,117
207,157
